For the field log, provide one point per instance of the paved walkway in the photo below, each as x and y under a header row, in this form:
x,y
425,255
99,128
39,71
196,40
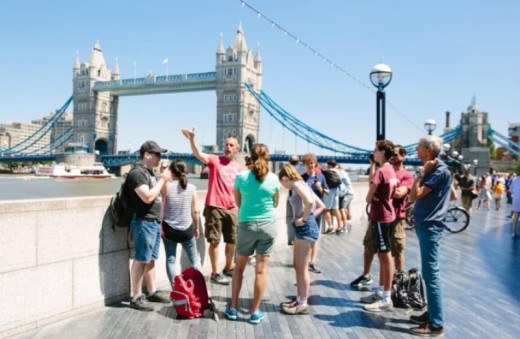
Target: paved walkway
x,y
480,272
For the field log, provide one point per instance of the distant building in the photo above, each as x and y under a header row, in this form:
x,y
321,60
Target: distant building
x,y
514,134
14,133
474,135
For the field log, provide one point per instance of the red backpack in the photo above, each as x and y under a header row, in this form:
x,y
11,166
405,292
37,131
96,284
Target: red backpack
x,y
190,295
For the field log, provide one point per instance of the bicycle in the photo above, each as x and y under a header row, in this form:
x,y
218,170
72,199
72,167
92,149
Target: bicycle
x,y
456,221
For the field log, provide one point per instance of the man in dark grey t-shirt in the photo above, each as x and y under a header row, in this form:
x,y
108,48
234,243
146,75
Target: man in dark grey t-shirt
x,y
145,192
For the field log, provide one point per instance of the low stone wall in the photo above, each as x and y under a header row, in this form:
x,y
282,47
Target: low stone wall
x,y
61,257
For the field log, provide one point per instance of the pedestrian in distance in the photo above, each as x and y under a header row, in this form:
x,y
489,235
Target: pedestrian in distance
x,y
180,224
431,194
467,186
256,195
346,195
145,197
316,181
220,210
514,188
306,206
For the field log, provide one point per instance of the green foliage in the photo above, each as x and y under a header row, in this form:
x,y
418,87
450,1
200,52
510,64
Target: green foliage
x,y
492,149
516,167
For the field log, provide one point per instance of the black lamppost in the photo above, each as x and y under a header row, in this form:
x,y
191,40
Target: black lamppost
x,y
429,126
380,77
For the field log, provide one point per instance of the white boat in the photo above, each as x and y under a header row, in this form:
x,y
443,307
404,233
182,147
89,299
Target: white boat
x,y
96,171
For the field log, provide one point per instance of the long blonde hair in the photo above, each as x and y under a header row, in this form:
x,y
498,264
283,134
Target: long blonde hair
x,y
259,159
290,172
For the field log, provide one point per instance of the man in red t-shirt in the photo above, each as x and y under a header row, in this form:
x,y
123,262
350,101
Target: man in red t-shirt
x,y
220,210
382,215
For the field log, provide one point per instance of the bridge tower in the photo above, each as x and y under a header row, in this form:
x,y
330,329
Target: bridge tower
x,y
237,110
475,127
95,113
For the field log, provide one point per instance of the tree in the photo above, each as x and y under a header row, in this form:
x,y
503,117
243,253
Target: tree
x,y
491,146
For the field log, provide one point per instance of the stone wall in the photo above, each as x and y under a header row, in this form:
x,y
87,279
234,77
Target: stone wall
x,y
60,258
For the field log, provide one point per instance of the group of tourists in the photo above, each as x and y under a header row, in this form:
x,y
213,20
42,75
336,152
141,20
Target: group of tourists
x,y
485,188
240,209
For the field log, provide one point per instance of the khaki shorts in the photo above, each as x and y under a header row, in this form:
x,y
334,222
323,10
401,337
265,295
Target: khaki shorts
x,y
220,222
397,240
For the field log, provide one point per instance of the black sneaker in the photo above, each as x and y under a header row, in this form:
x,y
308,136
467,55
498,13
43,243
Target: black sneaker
x,y
420,319
313,268
219,279
141,304
159,297
229,273
361,281
427,330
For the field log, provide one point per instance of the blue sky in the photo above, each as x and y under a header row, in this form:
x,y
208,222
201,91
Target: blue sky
x,y
442,54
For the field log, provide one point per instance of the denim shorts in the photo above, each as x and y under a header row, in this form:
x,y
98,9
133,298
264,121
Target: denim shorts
x,y
256,237
331,200
147,239
309,231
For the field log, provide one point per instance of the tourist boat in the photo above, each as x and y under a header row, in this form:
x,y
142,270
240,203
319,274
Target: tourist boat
x,y
96,171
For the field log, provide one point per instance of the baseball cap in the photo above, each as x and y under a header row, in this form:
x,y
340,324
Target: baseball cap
x,y
152,147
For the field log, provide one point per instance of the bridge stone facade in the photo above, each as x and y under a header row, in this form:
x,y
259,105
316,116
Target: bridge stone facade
x,y
96,92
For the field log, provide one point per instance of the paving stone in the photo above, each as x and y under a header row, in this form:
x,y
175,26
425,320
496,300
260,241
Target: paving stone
x,y
479,271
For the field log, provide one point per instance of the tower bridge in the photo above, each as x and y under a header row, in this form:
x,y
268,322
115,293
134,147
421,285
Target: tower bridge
x,y
237,82
97,89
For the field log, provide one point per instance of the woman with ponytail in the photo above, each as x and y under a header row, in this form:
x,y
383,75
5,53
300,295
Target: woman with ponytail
x,y
256,194
180,223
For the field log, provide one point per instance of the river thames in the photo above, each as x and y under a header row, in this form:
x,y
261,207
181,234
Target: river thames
x,y
18,187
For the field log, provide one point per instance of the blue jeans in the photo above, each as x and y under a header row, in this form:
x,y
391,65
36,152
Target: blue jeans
x,y
429,240
190,247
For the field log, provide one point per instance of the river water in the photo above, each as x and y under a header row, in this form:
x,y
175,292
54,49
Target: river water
x,y
17,187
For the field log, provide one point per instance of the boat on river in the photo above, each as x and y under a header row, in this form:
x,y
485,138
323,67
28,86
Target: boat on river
x,y
67,171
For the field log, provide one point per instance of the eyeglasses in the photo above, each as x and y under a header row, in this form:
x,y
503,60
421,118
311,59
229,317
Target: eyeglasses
x,y
395,154
157,154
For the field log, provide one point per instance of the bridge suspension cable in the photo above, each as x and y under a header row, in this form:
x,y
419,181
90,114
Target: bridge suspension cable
x,y
56,143
331,63
301,129
447,137
41,132
502,140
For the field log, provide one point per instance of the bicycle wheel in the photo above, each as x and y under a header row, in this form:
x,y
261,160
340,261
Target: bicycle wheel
x,y
457,219
410,224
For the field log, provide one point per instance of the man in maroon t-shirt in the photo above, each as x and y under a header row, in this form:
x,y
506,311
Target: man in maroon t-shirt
x,y
382,215
400,201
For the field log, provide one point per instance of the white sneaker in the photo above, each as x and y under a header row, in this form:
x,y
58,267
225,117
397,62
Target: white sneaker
x,y
370,299
378,306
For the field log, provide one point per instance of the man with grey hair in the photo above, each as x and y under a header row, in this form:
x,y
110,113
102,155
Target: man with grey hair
x,y
431,194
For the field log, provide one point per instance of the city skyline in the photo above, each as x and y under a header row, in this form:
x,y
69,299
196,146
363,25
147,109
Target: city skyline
x,y
442,55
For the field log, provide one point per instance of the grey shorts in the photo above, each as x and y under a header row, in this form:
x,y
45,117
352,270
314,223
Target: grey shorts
x,y
344,202
256,237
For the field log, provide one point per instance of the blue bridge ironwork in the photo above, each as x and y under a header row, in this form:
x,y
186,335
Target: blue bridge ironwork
x,y
204,81
152,84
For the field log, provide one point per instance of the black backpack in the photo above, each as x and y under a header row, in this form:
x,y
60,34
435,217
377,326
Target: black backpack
x,y
408,290
121,205
332,178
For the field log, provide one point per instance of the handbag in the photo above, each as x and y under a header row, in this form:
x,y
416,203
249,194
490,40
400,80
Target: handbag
x,y
473,194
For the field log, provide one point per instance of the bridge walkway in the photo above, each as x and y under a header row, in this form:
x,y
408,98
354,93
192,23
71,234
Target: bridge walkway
x,y
480,269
